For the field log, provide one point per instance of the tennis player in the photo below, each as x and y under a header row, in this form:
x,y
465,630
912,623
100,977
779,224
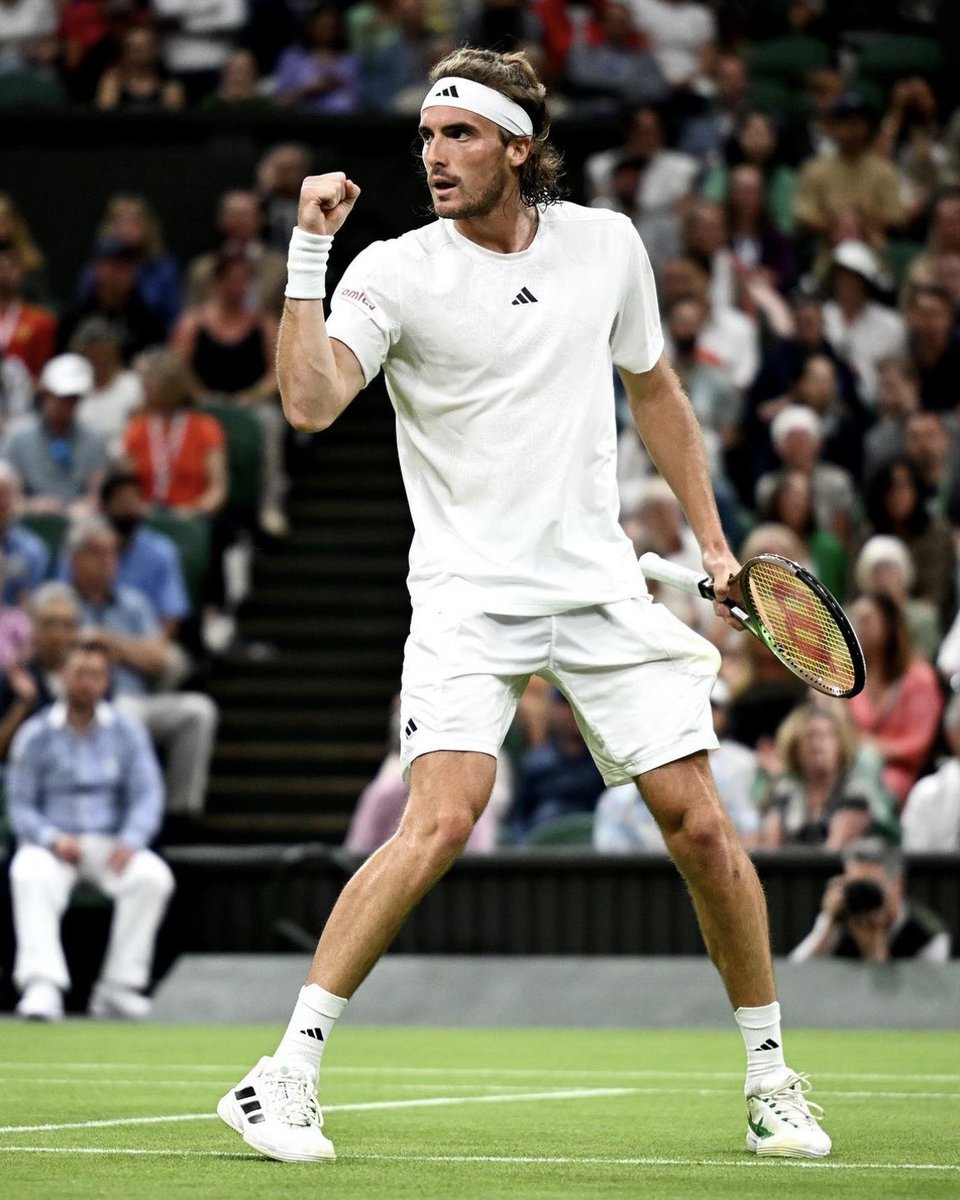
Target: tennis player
x,y
497,326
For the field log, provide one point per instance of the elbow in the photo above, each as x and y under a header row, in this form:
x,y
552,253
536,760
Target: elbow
x,y
306,418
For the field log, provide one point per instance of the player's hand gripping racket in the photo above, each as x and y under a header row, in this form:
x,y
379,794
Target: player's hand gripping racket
x,y
790,611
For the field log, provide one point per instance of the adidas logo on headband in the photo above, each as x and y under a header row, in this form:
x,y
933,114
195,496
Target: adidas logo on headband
x,y
449,91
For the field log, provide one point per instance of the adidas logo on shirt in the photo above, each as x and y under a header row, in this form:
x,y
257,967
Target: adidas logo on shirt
x,y
449,91
525,296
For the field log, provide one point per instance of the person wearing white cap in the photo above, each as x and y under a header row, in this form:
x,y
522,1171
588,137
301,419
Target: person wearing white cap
x,y
497,327
861,330
59,460
797,435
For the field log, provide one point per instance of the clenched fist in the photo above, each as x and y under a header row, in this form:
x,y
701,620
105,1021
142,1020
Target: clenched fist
x,y
325,202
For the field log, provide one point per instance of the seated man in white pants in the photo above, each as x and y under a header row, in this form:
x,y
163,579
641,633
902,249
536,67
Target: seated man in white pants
x,y
85,797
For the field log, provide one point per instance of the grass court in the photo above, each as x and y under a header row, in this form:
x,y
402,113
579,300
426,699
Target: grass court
x,y
119,1111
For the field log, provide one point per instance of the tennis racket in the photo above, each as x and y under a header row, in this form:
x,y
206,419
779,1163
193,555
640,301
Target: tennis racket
x,y
790,611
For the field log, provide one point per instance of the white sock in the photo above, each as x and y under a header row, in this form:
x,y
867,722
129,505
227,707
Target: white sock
x,y
314,1015
761,1036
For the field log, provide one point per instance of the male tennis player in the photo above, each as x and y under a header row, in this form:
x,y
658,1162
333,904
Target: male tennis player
x,y
496,327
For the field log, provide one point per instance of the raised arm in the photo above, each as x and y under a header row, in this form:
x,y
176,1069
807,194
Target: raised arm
x,y
318,376
670,432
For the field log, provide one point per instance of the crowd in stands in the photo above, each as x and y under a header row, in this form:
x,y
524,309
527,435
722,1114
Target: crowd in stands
x,y
794,171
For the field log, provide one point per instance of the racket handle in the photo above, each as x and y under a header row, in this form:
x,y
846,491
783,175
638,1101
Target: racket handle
x,y
664,571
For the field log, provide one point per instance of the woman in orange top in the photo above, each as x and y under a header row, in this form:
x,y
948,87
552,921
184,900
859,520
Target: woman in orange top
x,y
178,452
898,712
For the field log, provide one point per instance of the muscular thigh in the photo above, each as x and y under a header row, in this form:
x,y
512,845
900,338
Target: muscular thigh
x,y
448,783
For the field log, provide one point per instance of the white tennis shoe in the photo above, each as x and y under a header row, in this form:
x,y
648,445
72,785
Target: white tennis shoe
x,y
780,1119
274,1109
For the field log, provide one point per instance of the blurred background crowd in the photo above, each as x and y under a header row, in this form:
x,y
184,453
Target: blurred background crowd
x,y
794,169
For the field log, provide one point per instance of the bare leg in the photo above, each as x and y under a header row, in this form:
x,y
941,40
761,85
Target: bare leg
x,y
723,883
448,792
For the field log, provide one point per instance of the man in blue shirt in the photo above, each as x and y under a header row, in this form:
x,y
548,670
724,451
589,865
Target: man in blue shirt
x,y
85,798
26,558
184,724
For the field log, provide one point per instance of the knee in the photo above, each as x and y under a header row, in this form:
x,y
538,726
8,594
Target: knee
x,y
199,709
701,841
31,865
442,836
149,875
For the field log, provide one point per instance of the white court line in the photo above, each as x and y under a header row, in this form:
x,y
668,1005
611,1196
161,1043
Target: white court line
x,y
367,1106
514,1160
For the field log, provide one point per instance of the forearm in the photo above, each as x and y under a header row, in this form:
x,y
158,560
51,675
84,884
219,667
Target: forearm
x,y
311,385
669,429
147,655
819,942
17,714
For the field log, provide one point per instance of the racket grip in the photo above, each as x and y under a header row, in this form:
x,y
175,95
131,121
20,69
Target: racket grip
x,y
664,571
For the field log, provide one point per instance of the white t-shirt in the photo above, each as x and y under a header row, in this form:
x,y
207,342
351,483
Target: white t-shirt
x,y
108,409
499,367
876,333
678,33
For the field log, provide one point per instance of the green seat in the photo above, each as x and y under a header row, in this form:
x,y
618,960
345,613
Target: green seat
x,y
191,536
573,830
787,59
244,448
51,527
25,90
890,56
776,98
898,256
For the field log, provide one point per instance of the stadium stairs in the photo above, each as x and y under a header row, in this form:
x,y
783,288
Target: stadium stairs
x,y
304,704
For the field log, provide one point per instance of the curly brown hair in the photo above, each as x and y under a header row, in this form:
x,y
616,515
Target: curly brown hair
x,y
514,77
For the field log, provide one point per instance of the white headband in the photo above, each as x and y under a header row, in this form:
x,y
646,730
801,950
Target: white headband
x,y
455,92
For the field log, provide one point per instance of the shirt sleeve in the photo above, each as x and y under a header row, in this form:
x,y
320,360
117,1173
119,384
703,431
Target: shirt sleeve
x,y
636,341
365,308
143,787
23,787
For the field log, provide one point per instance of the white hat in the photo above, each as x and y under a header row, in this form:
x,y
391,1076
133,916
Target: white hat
x,y
882,548
792,418
859,258
67,375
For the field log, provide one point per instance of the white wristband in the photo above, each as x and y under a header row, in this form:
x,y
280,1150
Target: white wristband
x,y
307,265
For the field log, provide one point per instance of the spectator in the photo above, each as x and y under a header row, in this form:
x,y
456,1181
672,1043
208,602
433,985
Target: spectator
x,y
379,810
791,504
610,65
199,39
22,22
715,400
494,24
26,558
943,239
818,800
813,135
319,75
59,460
182,724
760,251
231,349
116,393
114,295
137,82
898,711
14,231
729,338
885,567
85,799
934,346
705,136
756,144
280,173
797,434
645,181
861,330
898,398
623,824
37,683
239,89
176,452
655,521
896,504
149,560
931,817
556,779
935,452
240,221
27,331
818,387
90,31
131,220
865,915
855,179
910,136
683,34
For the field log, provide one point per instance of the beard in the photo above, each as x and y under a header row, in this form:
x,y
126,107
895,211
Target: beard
x,y
480,205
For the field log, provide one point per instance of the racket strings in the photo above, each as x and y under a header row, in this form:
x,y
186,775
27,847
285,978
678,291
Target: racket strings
x,y
801,625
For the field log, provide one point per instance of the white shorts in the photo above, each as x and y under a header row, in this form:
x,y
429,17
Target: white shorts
x,y
637,678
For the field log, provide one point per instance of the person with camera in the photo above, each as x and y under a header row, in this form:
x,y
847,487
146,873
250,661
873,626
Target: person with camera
x,y
865,914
